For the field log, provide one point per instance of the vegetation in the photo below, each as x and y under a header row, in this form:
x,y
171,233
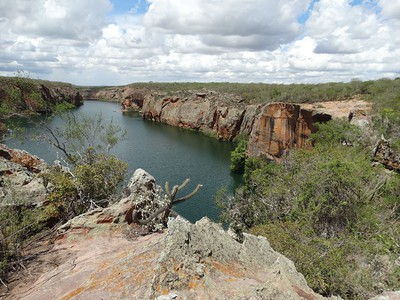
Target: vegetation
x,y
238,157
23,96
91,174
297,93
88,176
328,210
20,94
19,222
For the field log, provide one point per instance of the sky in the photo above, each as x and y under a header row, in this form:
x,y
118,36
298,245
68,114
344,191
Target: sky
x,y
116,42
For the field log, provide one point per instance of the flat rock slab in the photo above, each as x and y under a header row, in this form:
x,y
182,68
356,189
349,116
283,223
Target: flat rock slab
x,y
188,261
110,267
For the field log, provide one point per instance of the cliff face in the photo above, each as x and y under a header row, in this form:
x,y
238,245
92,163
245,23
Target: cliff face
x,y
273,128
124,94
57,95
21,96
282,126
206,112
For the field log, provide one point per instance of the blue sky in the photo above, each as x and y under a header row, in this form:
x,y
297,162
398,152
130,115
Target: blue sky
x,y
129,6
113,42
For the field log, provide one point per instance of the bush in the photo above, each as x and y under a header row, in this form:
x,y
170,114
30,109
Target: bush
x,y
328,210
238,157
18,223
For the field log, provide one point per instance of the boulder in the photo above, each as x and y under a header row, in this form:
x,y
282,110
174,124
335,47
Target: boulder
x,y
384,154
389,295
31,162
20,182
202,261
142,195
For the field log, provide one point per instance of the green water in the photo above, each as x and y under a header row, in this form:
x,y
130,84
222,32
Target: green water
x,y
168,153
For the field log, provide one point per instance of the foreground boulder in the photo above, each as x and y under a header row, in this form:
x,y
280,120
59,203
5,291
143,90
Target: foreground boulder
x,y
142,194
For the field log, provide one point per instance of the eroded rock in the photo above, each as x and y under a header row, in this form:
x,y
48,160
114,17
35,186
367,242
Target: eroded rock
x,y
385,155
143,196
189,261
214,114
280,127
202,261
20,182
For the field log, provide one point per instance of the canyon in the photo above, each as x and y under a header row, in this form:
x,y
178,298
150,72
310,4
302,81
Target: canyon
x,y
272,128
98,254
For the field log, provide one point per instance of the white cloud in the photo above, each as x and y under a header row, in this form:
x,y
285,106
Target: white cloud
x,y
390,8
199,40
251,24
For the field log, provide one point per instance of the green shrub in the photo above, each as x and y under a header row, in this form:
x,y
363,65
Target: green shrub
x,y
328,209
329,265
238,157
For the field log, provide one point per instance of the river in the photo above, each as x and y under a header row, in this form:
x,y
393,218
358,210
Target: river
x,y
168,153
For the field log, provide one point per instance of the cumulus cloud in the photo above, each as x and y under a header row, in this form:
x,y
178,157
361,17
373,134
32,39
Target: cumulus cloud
x,y
85,42
252,24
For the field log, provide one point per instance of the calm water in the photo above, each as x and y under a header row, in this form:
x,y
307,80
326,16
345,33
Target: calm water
x,y
168,153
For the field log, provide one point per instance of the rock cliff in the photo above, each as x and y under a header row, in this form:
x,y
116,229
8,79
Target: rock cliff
x,y
219,115
272,128
56,95
100,256
282,126
124,94
26,96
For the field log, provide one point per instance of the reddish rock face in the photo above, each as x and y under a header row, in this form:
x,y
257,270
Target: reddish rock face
x,y
23,158
282,126
132,101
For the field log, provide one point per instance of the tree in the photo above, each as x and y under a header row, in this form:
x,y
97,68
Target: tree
x,y
91,174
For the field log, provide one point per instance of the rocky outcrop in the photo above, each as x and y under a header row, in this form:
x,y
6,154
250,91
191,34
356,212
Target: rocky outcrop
x,y
20,182
385,155
57,95
280,127
187,261
129,95
213,114
100,256
142,194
